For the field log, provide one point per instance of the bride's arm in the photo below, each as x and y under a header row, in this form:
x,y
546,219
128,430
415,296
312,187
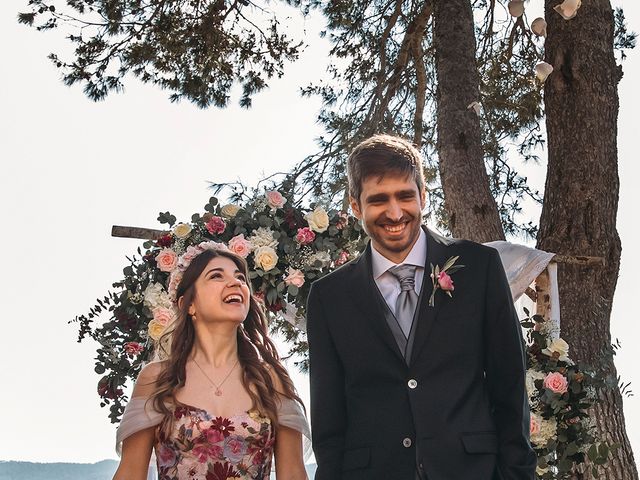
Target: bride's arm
x,y
288,455
137,428
136,453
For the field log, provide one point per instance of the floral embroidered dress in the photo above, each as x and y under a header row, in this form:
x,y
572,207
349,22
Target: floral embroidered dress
x,y
197,445
201,446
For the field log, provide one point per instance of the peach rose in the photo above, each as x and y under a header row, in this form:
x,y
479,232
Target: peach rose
x,y
556,382
230,210
182,230
167,260
265,258
155,330
445,282
534,425
240,246
295,277
275,199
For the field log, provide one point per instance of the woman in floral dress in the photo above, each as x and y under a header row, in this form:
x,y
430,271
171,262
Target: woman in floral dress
x,y
221,405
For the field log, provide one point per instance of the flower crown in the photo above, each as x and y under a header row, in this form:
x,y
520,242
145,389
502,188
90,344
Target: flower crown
x,y
185,260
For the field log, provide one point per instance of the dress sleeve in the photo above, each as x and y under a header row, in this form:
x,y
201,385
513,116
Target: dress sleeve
x,y
291,415
138,415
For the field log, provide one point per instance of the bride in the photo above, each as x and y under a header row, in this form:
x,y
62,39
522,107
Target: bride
x,y
221,404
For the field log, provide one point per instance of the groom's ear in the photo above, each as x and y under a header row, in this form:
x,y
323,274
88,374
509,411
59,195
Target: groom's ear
x,y
423,199
355,207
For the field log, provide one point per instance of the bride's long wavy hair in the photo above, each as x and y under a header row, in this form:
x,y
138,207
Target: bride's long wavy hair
x,y
257,354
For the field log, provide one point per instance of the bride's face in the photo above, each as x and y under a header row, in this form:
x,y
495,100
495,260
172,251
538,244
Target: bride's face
x,y
221,293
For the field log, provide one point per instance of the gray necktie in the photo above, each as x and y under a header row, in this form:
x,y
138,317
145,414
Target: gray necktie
x,y
408,298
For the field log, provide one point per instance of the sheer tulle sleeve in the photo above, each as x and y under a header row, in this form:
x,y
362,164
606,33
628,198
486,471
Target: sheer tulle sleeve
x,y
290,414
138,415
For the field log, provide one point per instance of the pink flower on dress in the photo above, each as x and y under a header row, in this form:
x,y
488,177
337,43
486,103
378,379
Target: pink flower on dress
x,y
234,448
216,225
133,348
556,382
295,277
213,435
305,236
275,199
240,246
167,260
204,452
445,282
166,456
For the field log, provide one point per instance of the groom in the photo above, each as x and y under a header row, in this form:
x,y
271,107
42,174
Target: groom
x,y
406,382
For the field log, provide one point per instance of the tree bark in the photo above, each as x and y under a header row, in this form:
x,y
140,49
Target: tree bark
x,y
471,209
581,200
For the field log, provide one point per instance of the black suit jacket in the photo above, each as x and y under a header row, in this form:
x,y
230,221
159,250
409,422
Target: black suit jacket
x,y
458,407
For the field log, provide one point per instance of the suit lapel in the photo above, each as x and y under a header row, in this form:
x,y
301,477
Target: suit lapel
x,y
436,255
362,289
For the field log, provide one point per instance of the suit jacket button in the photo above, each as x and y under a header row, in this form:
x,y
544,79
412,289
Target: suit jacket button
x,y
406,443
412,383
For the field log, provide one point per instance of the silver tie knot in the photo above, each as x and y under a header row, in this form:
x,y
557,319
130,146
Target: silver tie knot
x,y
406,275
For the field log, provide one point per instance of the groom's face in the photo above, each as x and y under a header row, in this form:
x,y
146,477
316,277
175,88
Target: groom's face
x,y
390,208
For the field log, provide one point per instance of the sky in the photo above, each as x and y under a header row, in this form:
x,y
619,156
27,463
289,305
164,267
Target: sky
x,y
71,168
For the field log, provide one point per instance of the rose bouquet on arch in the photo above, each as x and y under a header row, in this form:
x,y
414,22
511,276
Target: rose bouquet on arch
x,y
286,247
560,394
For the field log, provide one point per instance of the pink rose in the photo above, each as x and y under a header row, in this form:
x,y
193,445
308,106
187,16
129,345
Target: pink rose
x,y
342,258
133,348
305,236
167,260
240,246
343,220
295,277
166,456
162,316
534,426
556,382
445,282
216,225
275,199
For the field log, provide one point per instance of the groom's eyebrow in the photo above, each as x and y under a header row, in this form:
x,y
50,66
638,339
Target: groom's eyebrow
x,y
378,197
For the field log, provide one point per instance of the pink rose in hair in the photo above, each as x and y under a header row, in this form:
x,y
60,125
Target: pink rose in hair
x,y
295,277
216,225
556,382
275,199
240,246
167,260
305,236
163,316
445,282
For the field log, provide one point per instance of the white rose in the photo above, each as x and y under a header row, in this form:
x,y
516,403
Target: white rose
x,y
262,237
265,258
318,220
230,210
155,296
559,347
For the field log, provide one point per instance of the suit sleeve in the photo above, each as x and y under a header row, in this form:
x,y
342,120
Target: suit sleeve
x,y
505,369
328,410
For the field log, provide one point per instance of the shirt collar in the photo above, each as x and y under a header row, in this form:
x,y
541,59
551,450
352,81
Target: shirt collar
x,y
417,256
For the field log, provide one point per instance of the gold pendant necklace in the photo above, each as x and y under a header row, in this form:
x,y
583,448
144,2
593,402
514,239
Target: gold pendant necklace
x,y
218,390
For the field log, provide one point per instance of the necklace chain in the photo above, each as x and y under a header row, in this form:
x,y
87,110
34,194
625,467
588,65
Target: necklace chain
x,y
218,391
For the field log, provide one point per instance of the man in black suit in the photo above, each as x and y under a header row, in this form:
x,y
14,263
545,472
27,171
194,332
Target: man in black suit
x,y
407,385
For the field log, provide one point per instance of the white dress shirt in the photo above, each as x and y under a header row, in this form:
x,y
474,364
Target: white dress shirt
x,y
388,284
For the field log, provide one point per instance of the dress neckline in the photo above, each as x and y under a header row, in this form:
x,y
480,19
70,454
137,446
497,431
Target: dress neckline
x,y
213,415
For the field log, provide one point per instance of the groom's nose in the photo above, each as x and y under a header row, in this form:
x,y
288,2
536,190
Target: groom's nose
x,y
394,211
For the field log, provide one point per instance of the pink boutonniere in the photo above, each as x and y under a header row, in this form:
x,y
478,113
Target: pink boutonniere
x,y
441,277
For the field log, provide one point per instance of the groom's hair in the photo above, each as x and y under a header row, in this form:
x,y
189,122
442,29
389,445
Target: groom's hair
x,y
380,155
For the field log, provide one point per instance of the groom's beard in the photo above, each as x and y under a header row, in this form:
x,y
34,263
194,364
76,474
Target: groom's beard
x,y
382,240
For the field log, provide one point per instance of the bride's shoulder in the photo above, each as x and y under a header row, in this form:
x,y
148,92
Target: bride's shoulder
x,y
147,378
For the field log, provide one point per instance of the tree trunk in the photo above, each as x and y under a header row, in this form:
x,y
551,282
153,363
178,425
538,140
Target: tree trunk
x,y
581,199
471,209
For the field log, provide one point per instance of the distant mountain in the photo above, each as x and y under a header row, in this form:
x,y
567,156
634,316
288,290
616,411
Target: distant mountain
x,y
103,470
